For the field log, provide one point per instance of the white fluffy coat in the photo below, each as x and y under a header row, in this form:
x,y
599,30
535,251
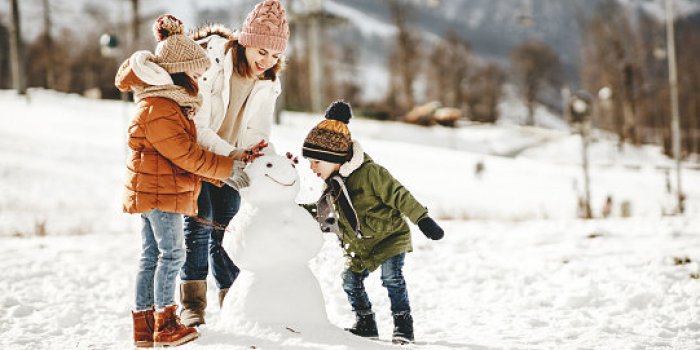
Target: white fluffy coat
x,y
214,86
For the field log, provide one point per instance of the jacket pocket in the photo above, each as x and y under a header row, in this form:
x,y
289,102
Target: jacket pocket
x,y
381,224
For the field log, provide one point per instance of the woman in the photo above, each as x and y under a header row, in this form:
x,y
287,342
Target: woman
x,y
239,93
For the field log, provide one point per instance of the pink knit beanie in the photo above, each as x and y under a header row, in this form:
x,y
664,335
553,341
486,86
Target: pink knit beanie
x,y
266,27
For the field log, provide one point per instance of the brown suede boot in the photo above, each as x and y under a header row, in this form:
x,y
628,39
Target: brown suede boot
x,y
143,328
193,297
169,330
222,295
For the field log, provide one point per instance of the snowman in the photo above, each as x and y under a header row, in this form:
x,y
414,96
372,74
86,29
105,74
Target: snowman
x,y
272,242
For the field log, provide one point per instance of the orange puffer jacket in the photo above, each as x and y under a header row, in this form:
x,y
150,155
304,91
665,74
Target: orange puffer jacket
x,y
166,165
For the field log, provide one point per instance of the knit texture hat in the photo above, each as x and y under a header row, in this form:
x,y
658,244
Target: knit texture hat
x,y
330,140
266,27
176,52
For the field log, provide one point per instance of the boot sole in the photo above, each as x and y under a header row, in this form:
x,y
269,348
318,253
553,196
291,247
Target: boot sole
x,y
188,338
192,323
143,344
191,319
401,340
371,336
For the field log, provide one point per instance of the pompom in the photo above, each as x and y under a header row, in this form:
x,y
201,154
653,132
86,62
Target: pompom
x,y
166,26
340,111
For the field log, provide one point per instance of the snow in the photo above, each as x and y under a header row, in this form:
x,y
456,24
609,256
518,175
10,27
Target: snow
x,y
657,8
366,23
516,269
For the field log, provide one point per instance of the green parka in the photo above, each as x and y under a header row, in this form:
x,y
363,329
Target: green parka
x,y
380,203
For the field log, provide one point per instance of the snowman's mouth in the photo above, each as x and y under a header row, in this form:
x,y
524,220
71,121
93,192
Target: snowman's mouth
x,y
283,184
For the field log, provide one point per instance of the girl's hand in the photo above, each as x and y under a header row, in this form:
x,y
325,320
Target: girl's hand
x,y
249,154
254,152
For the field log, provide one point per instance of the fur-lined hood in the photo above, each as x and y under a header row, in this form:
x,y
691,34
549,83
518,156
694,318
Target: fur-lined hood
x,y
139,70
358,157
208,30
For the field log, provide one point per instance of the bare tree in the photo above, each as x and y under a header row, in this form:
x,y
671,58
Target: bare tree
x,y
48,42
536,65
4,57
611,58
135,23
404,61
17,50
689,85
296,80
329,70
484,94
449,70
627,55
349,87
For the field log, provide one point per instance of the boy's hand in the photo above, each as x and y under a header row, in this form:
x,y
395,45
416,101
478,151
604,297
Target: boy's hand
x,y
430,228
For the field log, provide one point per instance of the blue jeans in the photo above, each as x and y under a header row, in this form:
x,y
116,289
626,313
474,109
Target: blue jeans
x,y
392,280
216,205
162,256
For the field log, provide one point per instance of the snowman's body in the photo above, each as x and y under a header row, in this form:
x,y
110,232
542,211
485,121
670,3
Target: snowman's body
x,y
272,245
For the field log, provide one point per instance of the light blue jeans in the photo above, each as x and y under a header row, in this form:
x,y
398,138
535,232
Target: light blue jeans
x,y
162,256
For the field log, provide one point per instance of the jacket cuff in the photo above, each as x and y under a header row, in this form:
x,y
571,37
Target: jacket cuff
x,y
223,148
417,215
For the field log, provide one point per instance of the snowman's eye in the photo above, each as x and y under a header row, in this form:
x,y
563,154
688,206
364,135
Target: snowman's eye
x,y
269,165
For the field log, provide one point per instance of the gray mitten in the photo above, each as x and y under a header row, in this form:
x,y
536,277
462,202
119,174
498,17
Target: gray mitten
x,y
238,179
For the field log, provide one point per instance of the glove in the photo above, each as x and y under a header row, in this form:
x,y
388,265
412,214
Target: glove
x,y
249,154
238,178
430,228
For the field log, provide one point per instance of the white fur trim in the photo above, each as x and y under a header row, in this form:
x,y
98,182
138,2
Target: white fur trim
x,y
358,157
147,70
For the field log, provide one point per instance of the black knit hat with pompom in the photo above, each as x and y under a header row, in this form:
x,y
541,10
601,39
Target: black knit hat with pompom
x,y
330,140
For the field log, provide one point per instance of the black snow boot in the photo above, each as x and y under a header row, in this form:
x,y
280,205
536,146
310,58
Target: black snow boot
x,y
365,326
403,329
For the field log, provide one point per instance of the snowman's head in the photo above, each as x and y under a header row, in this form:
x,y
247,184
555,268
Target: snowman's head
x,y
273,178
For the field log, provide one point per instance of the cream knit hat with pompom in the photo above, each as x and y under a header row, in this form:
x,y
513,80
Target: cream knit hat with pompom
x,y
177,52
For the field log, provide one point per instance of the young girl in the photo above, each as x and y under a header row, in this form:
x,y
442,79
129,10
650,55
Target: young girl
x,y
164,172
239,93
368,203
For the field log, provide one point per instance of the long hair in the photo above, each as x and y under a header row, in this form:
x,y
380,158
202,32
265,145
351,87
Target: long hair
x,y
184,80
240,63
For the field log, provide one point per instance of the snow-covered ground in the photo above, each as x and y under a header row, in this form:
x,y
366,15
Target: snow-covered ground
x,y
516,270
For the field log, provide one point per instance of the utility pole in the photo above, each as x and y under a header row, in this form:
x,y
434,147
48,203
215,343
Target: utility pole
x,y
48,42
17,50
673,82
580,107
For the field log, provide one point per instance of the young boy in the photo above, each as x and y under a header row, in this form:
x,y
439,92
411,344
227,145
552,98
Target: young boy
x,y
368,203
